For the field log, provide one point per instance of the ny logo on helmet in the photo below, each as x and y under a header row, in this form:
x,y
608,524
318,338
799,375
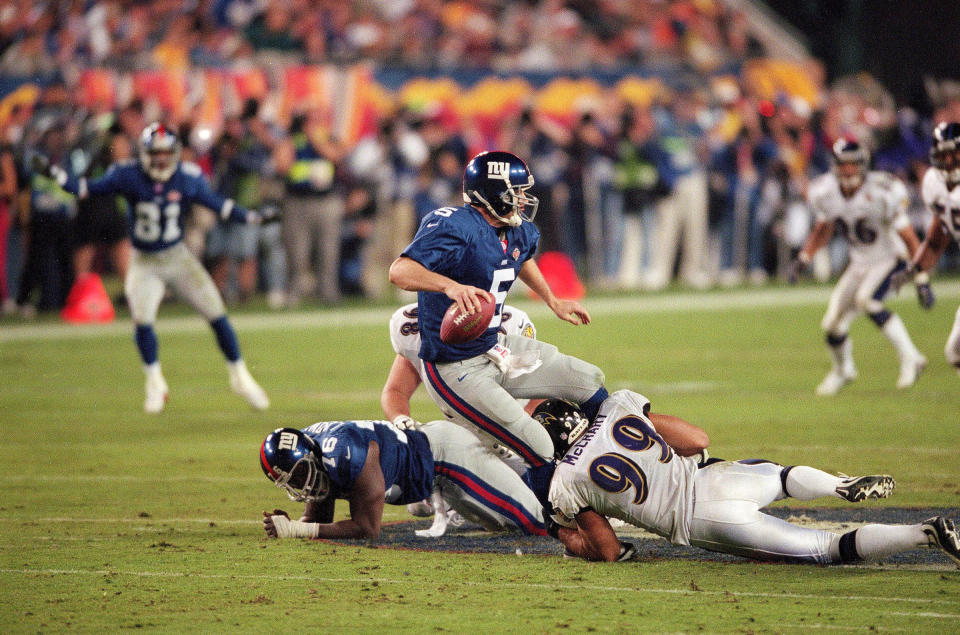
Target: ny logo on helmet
x,y
288,441
498,169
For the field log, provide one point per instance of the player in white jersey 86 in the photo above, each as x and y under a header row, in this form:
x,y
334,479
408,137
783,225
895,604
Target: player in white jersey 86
x,y
870,210
625,466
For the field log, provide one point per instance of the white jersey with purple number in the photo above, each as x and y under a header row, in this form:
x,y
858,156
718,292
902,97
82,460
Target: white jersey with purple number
x,y
942,201
870,219
621,468
405,331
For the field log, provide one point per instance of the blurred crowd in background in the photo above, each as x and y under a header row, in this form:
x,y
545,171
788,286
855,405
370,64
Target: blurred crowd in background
x,y
699,182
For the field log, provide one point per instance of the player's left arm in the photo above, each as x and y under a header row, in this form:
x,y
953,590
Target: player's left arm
x,y
593,539
568,310
366,501
685,438
225,208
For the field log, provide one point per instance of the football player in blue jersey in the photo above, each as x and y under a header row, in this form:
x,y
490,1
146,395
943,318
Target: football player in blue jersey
x,y
461,254
372,463
160,190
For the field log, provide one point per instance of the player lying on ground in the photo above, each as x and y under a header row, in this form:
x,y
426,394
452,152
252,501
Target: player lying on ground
x,y
462,254
371,463
620,466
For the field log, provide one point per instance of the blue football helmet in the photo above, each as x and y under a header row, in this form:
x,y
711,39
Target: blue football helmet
x,y
563,421
945,153
848,151
292,460
499,182
159,152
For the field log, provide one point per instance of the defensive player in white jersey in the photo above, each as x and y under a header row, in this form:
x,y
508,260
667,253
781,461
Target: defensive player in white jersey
x,y
624,466
869,208
941,194
407,373
160,191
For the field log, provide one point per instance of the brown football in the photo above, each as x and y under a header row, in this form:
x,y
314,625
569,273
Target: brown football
x,y
458,327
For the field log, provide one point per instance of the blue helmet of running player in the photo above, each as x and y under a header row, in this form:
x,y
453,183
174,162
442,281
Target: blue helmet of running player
x,y
563,421
159,152
945,151
499,182
292,460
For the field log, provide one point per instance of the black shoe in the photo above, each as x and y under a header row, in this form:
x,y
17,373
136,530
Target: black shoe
x,y
857,488
943,535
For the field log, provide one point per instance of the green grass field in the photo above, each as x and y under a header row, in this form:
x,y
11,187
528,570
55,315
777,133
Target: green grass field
x,y
112,519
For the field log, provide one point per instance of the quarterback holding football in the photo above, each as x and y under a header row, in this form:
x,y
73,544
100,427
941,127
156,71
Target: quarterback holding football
x,y
462,254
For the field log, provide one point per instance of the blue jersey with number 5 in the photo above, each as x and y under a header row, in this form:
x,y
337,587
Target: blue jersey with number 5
x,y
405,457
459,243
156,211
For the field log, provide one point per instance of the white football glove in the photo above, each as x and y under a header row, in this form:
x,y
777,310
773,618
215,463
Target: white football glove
x,y
405,422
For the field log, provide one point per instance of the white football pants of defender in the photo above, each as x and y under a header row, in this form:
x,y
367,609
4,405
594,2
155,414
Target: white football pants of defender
x,y
149,274
862,289
477,392
726,517
477,484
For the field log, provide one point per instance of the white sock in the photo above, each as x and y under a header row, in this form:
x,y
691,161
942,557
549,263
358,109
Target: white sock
x,y
806,483
153,370
876,542
896,332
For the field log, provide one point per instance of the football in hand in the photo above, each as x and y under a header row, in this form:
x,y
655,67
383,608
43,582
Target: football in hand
x,y
458,327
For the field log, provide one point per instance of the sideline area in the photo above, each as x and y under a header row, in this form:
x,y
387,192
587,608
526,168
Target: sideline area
x,y
947,290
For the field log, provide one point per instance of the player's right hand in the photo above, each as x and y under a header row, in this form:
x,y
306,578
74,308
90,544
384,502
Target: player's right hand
x,y
268,525
468,297
627,551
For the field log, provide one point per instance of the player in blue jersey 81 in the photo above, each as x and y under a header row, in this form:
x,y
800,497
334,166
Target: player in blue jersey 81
x,y
372,463
461,254
160,190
